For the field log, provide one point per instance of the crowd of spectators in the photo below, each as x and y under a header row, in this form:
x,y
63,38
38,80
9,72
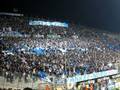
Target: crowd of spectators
x,y
80,51
15,89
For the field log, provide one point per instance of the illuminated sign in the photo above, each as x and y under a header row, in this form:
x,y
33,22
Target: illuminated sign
x,y
11,14
47,23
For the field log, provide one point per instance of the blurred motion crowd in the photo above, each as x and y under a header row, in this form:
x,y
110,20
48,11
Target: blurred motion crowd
x,y
77,50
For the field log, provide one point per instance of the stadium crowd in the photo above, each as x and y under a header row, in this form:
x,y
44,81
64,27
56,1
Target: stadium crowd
x,y
15,89
80,51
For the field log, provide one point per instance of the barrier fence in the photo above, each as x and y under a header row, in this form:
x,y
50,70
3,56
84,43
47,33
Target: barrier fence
x,y
39,85
93,84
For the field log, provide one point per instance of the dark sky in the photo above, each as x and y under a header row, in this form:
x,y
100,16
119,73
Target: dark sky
x,y
103,14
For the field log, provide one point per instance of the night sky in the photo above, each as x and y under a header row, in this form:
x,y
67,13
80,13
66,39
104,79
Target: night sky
x,y
102,14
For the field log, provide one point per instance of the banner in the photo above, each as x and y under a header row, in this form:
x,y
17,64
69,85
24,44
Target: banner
x,y
47,23
79,78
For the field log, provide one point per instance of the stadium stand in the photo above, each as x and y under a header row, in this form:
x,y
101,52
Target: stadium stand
x,y
42,51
